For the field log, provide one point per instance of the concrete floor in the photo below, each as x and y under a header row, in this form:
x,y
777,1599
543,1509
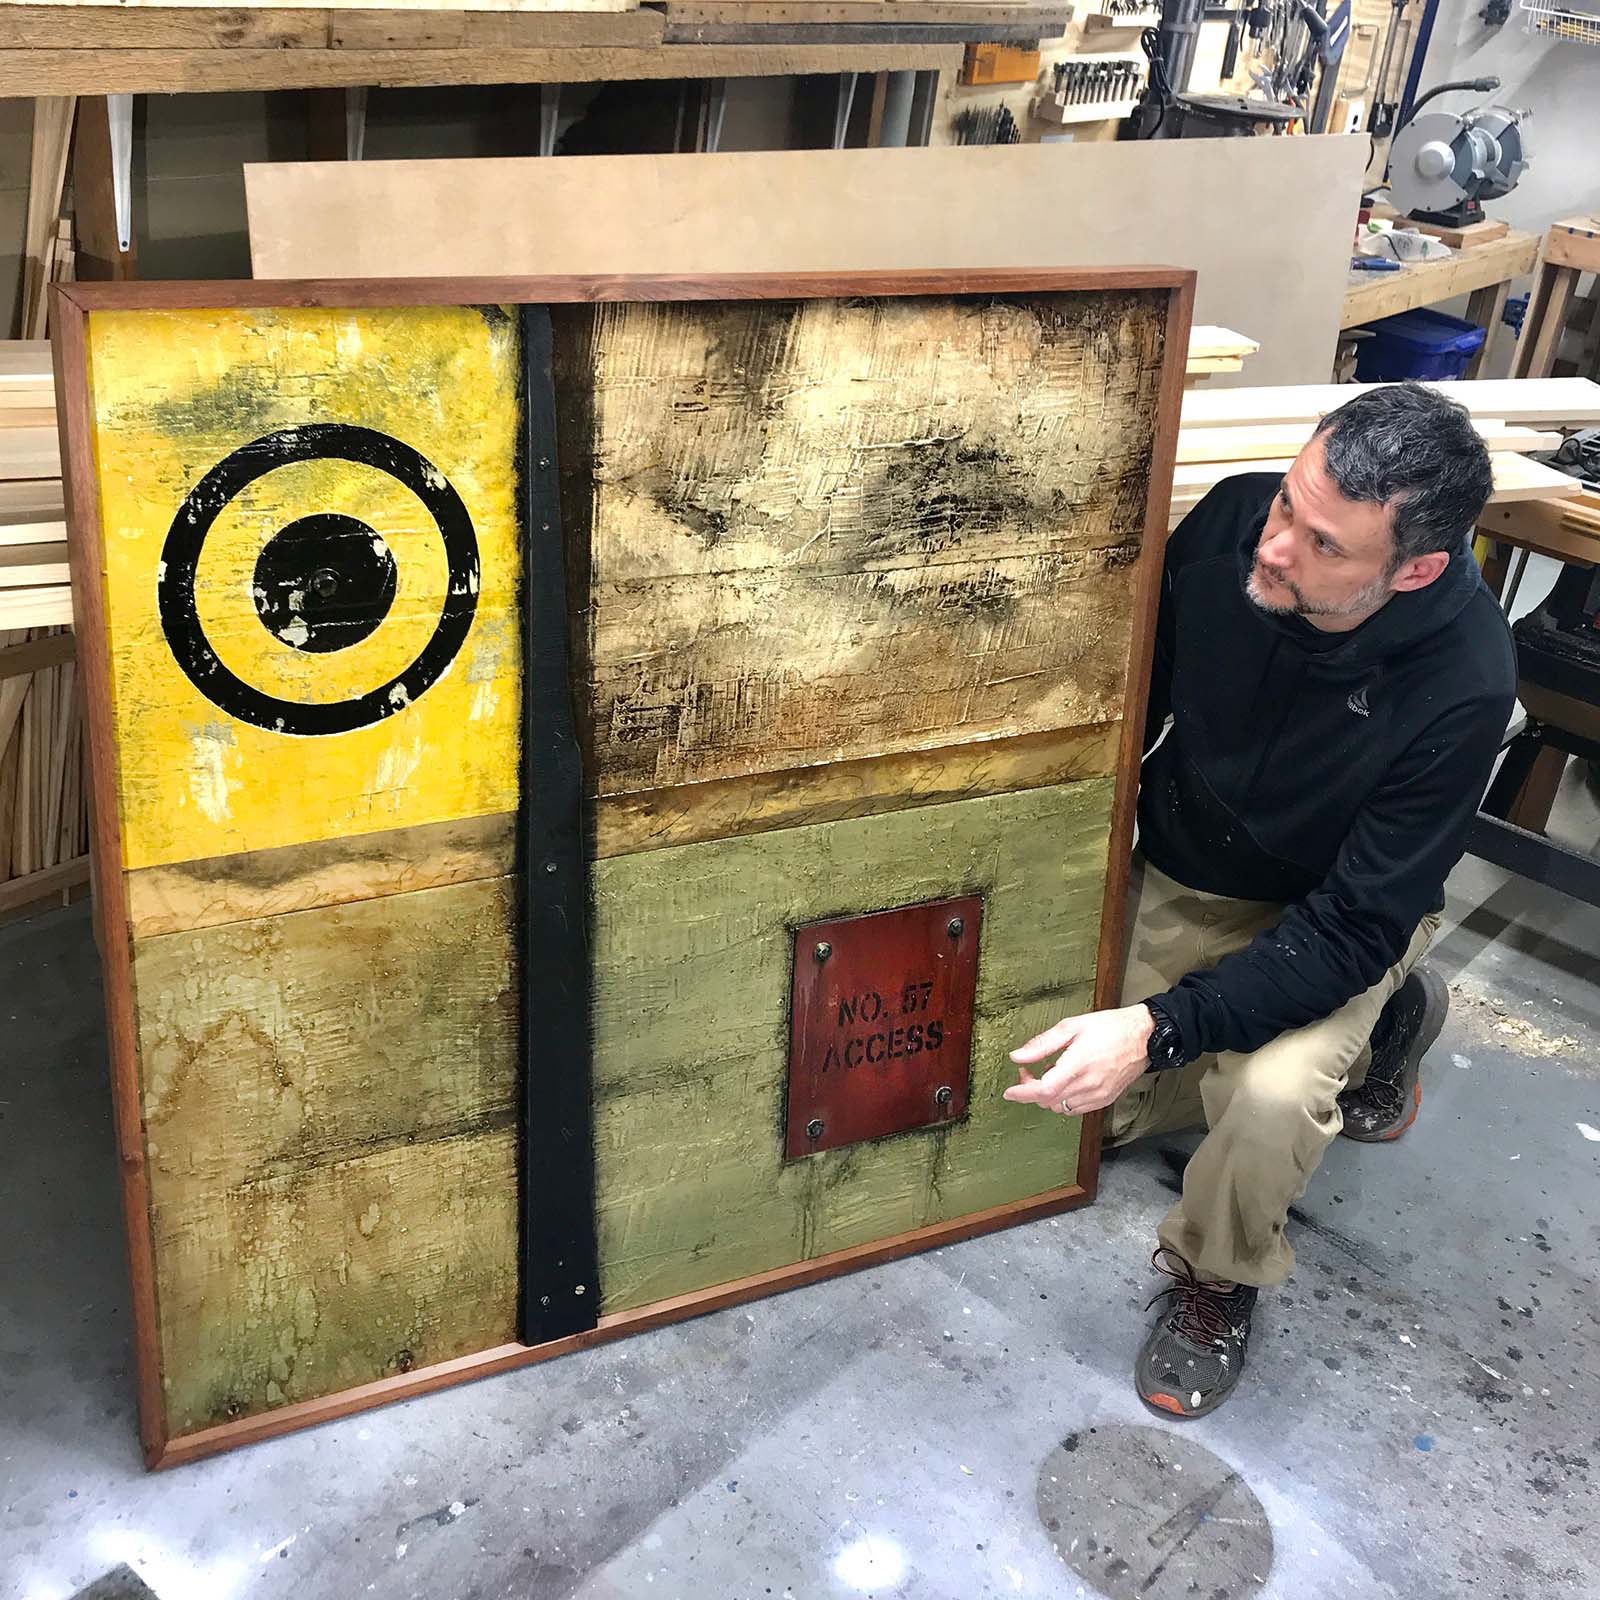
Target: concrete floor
x,y
1418,1418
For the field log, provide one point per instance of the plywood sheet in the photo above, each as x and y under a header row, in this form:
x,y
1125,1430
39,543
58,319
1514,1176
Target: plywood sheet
x,y
819,531
1170,201
693,950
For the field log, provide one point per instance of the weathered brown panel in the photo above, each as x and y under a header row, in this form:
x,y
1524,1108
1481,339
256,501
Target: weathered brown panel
x,y
307,1077
823,530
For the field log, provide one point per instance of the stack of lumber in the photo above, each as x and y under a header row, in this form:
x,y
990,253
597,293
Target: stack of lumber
x,y
1214,350
1261,430
43,801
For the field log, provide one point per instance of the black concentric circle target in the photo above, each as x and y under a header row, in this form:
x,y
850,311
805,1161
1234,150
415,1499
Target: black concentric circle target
x,y
316,441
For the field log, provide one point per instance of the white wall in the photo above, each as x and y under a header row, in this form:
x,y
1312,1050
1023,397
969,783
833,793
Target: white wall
x,y
1557,79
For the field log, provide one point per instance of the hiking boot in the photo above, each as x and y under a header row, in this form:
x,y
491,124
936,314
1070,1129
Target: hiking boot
x,y
1387,1103
1191,1359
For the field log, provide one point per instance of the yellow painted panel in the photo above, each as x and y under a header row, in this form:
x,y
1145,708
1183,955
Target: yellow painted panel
x,y
234,451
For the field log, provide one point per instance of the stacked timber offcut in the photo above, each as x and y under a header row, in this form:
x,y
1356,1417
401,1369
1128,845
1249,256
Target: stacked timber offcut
x,y
1230,431
43,812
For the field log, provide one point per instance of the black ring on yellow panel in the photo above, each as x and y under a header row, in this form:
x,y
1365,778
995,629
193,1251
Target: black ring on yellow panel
x,y
180,560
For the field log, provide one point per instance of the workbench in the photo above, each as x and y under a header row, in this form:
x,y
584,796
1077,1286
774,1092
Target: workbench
x,y
1509,829
1484,271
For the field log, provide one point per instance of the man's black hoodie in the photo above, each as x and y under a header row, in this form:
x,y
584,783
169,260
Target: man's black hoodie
x,y
1334,773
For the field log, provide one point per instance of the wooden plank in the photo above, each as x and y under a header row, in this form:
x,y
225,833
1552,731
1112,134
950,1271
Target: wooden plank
x,y
768,33
100,72
692,1189
662,1313
764,514
1269,441
1547,319
1515,478
48,884
324,872
1574,243
31,533
1566,401
37,416
29,500
764,802
1469,237
33,655
47,173
25,364
31,564
30,452
49,607
276,27
1209,342
1053,17
1486,307
1425,283
336,6
864,209
329,1105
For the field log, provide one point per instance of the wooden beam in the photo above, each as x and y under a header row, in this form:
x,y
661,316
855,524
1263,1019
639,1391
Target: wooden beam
x,y
32,887
98,72
34,655
47,174
1273,441
115,27
1570,402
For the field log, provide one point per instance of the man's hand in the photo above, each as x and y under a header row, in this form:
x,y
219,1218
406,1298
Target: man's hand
x,y
1101,1054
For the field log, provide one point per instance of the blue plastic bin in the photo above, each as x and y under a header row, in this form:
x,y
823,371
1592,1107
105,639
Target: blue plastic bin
x,y
1417,344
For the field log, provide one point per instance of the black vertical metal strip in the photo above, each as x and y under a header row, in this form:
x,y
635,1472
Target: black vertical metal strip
x,y
560,1292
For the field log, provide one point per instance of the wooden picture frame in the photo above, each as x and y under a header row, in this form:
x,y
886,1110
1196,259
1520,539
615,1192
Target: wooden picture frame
x,y
74,305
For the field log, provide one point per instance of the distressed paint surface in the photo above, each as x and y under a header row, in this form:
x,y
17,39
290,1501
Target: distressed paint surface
x,y
826,530
330,1132
174,393
692,950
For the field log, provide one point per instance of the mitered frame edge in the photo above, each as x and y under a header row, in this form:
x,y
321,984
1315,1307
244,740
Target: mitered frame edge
x,y
70,355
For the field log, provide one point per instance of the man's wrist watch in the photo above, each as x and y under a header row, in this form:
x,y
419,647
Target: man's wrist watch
x,y
1165,1046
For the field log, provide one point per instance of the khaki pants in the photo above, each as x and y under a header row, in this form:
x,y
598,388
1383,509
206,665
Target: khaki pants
x,y
1271,1113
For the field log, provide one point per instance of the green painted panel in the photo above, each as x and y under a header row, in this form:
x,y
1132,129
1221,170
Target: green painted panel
x,y
693,951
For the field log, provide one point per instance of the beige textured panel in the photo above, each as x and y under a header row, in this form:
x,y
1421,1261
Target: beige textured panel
x,y
329,1105
825,530
1112,204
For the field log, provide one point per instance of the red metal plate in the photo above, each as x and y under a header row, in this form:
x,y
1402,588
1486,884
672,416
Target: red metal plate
x,y
881,1028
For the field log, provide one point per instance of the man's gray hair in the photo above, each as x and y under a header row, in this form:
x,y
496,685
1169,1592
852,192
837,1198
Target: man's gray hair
x,y
1407,447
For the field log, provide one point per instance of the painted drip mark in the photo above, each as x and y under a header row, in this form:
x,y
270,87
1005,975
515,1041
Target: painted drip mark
x,y
312,568
1143,1514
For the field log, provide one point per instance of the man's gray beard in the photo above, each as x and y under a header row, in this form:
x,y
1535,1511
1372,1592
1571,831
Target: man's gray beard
x,y
1361,603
